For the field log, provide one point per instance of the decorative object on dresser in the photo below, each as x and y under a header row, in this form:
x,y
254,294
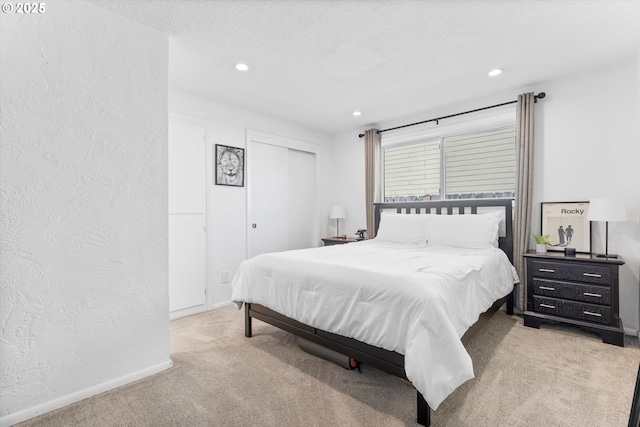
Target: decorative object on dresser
x,y
607,209
567,225
337,212
581,291
330,241
541,243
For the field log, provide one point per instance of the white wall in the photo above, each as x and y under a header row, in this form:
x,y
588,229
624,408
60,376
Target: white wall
x,y
227,206
587,145
348,180
83,188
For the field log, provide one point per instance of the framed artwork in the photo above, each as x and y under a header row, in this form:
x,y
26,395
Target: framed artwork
x,y
567,225
229,166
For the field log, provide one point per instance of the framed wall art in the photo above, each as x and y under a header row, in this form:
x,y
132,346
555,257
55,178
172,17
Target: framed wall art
x,y
567,226
229,166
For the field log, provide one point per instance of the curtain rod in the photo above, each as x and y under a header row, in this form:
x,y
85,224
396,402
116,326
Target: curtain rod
x,y
536,97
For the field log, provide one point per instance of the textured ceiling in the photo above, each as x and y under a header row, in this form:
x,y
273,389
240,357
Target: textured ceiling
x,y
314,62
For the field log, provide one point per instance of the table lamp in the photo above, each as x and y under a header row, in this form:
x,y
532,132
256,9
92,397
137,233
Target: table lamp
x,y
337,212
606,209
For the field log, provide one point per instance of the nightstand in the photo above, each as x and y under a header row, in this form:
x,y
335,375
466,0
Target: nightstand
x,y
580,290
329,241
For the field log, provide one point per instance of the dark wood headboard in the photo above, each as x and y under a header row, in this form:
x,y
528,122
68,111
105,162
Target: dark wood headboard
x,y
460,207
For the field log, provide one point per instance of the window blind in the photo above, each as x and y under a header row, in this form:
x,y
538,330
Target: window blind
x,y
412,171
481,164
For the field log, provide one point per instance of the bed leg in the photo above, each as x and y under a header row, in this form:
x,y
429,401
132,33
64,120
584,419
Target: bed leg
x,y
510,301
423,411
247,321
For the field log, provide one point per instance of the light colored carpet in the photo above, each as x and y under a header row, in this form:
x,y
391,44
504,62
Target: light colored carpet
x,y
555,376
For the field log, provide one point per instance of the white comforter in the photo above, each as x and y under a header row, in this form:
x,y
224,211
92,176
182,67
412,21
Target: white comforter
x,y
415,300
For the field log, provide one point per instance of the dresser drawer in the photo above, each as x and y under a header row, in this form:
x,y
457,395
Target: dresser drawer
x,y
572,291
572,309
589,273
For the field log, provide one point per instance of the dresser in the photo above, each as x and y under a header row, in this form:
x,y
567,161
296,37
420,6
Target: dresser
x,y
580,290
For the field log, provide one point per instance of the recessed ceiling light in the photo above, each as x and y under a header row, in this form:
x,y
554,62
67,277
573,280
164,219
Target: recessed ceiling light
x,y
495,72
357,113
242,67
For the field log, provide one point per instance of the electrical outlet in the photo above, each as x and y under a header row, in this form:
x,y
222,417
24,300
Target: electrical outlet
x,y
224,277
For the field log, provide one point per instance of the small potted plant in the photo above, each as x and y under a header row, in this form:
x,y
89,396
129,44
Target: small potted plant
x,y
541,243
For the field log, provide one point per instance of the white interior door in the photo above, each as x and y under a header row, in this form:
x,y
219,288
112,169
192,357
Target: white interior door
x,y
281,198
187,218
186,263
268,181
302,207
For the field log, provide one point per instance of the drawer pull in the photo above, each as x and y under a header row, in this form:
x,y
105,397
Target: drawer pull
x,y
589,294
592,314
591,275
547,288
547,306
547,270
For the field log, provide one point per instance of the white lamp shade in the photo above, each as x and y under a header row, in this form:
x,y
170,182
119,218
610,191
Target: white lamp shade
x,y
337,212
606,209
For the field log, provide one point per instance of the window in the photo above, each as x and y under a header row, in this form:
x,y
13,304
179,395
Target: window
x,y
479,164
412,170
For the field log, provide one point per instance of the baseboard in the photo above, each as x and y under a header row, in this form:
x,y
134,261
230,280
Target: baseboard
x,y
43,408
631,331
196,310
221,304
187,312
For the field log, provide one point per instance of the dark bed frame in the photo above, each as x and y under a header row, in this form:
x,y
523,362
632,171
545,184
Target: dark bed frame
x,y
389,361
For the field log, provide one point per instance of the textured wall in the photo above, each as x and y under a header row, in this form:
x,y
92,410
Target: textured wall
x,y
83,192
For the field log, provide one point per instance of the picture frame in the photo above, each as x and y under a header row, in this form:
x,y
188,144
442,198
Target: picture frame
x,y
567,225
229,165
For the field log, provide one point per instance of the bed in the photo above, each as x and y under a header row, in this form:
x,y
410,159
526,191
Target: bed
x,y
405,301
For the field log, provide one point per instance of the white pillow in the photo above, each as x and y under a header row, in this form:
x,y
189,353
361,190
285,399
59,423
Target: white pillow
x,y
404,228
465,231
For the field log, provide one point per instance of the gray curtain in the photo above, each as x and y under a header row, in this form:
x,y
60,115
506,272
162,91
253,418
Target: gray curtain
x,y
372,176
524,188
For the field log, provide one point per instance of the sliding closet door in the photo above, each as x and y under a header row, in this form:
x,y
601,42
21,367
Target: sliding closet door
x,y
268,183
187,218
281,198
301,199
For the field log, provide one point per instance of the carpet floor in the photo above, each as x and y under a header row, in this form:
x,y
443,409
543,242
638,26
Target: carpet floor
x,y
553,376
